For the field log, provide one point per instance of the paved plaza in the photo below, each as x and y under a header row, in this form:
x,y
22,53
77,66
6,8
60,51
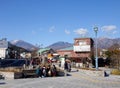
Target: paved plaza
x,y
75,80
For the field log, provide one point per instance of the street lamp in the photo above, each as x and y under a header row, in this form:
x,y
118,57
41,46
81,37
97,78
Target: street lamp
x,y
96,60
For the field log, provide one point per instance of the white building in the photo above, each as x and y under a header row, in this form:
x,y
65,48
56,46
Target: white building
x,y
10,51
3,48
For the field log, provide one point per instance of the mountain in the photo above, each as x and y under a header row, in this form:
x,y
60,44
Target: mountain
x,y
104,43
23,44
60,45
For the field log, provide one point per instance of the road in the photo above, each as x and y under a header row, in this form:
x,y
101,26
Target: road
x,y
75,80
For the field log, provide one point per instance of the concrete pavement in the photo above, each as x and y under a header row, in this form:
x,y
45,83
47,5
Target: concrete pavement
x,y
76,80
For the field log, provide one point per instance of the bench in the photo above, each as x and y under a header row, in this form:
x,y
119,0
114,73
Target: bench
x,y
29,73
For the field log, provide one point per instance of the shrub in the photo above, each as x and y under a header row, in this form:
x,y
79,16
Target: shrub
x,y
115,72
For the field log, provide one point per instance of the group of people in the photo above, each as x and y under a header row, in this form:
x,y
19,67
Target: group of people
x,y
51,70
46,71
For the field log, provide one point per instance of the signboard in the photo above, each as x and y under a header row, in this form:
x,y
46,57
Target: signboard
x,y
82,48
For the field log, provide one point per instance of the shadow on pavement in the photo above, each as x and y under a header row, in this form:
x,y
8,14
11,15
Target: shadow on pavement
x,y
2,83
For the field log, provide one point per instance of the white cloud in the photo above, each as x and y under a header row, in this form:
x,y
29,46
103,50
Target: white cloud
x,y
52,29
114,32
81,31
67,31
109,28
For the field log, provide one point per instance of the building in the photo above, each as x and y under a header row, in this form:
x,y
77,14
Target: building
x,y
83,47
9,51
80,52
3,48
46,54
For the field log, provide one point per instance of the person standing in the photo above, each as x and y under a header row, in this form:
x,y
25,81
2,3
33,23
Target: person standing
x,y
69,67
65,68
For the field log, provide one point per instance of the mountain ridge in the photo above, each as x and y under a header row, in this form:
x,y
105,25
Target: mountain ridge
x,y
103,43
59,45
107,42
23,44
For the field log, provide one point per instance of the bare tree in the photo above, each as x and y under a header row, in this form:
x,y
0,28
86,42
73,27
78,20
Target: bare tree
x,y
114,53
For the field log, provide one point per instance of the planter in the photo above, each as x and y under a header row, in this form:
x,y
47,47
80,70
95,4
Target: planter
x,y
93,72
11,75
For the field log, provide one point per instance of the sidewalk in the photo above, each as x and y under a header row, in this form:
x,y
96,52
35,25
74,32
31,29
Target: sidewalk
x,y
75,80
110,78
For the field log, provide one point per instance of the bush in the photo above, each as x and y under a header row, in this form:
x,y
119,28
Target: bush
x,y
92,69
115,72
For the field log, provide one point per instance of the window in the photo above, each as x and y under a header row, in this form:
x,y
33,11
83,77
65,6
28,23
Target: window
x,y
82,43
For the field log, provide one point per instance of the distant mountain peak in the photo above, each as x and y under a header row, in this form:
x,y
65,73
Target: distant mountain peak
x,y
60,45
23,44
15,41
102,38
103,43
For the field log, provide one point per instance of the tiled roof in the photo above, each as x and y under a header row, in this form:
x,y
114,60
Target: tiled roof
x,y
43,49
68,48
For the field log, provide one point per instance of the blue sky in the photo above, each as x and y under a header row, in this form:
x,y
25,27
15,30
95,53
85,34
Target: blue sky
x,y
49,21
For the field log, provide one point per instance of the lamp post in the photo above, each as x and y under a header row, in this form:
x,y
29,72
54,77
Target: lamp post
x,y
96,60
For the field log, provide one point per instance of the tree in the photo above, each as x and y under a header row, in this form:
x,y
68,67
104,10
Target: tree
x,y
34,53
114,53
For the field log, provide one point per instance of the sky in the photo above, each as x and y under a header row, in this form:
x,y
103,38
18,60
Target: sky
x,y
44,22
